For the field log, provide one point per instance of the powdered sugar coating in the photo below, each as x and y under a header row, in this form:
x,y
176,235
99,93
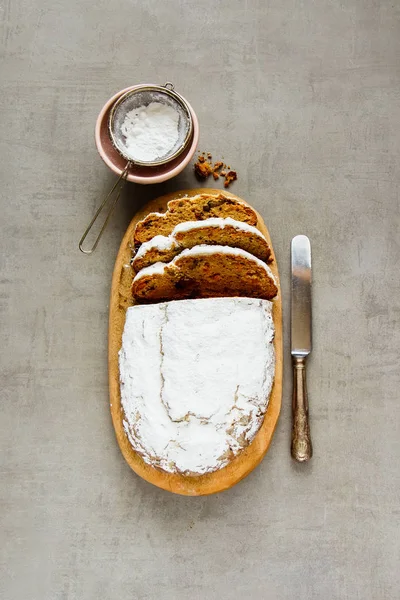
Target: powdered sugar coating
x,y
157,268
196,376
158,242
217,222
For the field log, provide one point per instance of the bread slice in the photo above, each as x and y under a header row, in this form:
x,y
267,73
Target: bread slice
x,y
214,231
206,272
197,208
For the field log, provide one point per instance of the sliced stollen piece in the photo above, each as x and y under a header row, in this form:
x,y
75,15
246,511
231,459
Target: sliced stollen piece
x,y
223,232
195,377
206,272
213,231
196,208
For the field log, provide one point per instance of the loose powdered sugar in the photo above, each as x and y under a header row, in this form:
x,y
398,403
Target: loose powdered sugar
x,y
151,131
196,376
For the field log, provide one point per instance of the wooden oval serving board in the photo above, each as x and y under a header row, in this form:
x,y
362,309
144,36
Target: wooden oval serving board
x,y
121,299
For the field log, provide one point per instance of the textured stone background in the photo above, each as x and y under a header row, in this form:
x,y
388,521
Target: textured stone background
x,y
303,98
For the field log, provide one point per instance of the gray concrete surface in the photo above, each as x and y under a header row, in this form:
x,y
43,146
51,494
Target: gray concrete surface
x,y
303,98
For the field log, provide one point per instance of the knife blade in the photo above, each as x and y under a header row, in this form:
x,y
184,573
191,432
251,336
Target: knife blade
x,y
301,448
301,296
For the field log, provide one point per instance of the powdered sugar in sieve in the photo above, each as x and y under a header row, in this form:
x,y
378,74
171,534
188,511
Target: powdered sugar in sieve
x,y
150,126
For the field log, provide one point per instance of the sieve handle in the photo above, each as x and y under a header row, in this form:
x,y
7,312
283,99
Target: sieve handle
x,y
118,184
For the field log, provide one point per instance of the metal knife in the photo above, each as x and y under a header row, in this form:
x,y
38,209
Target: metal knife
x,y
300,344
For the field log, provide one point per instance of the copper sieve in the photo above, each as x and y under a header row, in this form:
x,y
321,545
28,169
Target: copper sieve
x,y
131,100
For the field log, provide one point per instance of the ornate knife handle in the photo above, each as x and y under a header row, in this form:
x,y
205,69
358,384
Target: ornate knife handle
x,y
301,439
